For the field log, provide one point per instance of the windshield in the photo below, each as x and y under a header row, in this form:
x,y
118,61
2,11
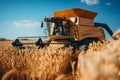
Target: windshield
x,y
58,27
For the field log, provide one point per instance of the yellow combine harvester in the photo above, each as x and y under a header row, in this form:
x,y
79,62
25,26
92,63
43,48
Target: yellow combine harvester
x,y
75,27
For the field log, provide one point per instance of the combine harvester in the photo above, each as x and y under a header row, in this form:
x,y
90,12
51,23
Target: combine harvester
x,y
75,27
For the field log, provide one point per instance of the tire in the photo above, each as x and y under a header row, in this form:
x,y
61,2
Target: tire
x,y
83,45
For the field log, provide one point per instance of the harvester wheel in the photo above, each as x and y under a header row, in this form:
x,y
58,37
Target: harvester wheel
x,y
74,44
83,45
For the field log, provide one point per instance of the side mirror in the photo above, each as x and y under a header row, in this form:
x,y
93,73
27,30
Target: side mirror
x,y
42,25
75,20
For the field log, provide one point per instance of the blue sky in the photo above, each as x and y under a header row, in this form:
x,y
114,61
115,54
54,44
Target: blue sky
x,y
23,17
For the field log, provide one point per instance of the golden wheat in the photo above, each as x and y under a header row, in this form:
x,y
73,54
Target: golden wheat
x,y
117,34
43,64
100,62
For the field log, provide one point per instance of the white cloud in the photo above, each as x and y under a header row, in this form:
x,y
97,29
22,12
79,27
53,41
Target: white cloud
x,y
26,23
108,4
90,2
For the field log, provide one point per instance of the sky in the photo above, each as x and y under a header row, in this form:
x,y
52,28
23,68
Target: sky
x,y
24,17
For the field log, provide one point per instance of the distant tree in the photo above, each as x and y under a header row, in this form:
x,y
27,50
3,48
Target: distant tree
x,y
3,39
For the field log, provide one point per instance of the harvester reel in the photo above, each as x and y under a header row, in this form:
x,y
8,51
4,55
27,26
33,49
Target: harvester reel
x,y
39,43
18,44
42,44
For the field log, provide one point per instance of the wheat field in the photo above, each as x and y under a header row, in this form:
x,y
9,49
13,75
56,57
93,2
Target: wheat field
x,y
100,62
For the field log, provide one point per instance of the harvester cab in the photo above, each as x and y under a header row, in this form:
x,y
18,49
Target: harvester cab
x,y
75,27
57,26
